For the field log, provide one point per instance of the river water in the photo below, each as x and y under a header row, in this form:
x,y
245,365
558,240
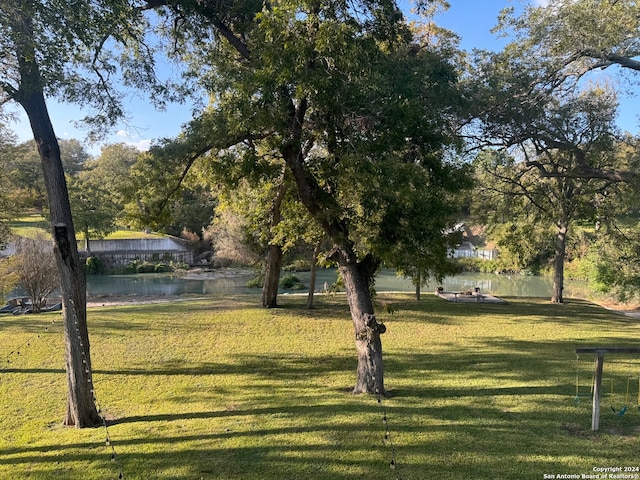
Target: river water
x,y
234,281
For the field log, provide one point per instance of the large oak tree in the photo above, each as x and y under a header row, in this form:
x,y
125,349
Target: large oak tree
x,y
361,116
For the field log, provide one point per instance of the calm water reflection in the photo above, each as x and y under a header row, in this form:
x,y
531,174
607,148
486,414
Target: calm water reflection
x,y
234,281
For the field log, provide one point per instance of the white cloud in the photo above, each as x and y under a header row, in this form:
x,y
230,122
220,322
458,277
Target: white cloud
x,y
134,140
540,3
143,144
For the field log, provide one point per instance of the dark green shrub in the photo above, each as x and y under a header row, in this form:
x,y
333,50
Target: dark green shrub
x,y
300,265
131,267
256,282
145,267
291,282
93,266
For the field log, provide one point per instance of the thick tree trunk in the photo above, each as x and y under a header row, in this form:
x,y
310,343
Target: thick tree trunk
x,y
558,264
272,276
370,372
356,275
81,409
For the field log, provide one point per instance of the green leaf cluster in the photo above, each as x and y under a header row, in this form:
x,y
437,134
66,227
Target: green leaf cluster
x,y
363,116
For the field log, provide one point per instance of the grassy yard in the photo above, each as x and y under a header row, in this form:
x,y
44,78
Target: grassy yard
x,y
34,225
220,389
30,226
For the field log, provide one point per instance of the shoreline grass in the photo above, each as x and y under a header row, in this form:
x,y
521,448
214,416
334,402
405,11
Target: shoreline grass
x,y
222,389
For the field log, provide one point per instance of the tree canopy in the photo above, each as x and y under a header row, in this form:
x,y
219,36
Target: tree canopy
x,y
579,36
555,50
362,116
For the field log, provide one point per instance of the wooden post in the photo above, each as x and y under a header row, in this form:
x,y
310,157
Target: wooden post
x,y
597,389
597,378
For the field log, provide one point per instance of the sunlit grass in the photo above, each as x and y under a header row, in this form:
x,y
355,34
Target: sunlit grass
x,y
35,225
220,389
30,226
126,234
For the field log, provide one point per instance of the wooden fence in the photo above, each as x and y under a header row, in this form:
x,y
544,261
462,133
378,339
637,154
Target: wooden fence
x,y
476,253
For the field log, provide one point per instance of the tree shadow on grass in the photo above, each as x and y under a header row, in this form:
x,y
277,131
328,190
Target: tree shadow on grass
x,y
277,367
450,429
571,312
32,323
245,451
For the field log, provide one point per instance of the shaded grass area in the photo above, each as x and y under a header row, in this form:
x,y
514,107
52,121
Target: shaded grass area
x,y
220,389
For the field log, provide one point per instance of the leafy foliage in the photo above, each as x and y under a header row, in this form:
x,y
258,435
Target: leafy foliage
x,y
8,202
578,37
612,264
375,116
34,266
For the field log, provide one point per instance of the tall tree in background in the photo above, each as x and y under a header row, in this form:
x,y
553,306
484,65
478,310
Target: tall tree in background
x,y
566,41
8,203
361,116
552,148
74,156
26,171
93,206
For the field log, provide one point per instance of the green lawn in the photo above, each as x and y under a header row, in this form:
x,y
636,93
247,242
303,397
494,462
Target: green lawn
x,y
30,226
33,225
221,389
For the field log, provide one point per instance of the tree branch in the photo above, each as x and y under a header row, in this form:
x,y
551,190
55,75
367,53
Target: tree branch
x,y
218,24
612,59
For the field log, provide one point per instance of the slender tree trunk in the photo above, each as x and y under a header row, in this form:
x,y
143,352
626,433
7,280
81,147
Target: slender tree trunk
x,y
87,243
274,252
272,276
558,263
418,282
312,279
81,409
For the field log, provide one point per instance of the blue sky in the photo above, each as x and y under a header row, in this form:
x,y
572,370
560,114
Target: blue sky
x,y
471,19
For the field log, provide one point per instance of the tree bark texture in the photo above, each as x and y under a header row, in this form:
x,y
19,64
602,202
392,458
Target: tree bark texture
x,y
312,277
370,372
558,264
81,409
272,276
274,252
